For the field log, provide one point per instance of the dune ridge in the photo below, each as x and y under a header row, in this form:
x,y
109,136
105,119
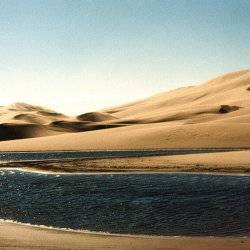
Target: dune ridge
x,y
22,120
213,114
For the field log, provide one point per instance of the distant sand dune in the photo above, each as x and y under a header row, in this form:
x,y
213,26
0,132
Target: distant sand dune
x,y
213,114
20,120
77,126
31,118
95,117
10,131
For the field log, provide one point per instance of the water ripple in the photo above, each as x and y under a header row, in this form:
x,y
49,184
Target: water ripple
x,y
156,204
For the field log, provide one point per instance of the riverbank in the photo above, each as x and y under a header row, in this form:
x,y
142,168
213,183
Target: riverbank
x,y
19,236
228,162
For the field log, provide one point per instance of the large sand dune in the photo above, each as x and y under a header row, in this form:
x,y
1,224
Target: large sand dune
x,y
213,114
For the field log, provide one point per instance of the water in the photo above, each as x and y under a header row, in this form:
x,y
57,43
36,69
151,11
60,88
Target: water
x,y
56,155
153,204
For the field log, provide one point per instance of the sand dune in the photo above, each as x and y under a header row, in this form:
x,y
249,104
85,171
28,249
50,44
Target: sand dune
x,y
24,113
213,114
230,90
95,117
21,120
10,131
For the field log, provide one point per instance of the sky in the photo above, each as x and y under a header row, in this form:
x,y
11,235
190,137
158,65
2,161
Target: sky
x,y
82,56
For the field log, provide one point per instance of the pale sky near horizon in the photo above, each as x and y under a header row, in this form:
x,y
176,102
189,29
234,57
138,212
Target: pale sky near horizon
x,y
80,56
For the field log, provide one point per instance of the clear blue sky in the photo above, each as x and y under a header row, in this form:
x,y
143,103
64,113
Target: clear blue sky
x,y
77,56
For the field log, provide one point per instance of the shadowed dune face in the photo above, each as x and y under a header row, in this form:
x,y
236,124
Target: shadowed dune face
x,y
77,126
227,109
21,131
213,114
95,117
21,120
50,113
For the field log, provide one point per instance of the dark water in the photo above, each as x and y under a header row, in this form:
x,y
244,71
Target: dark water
x,y
55,155
155,204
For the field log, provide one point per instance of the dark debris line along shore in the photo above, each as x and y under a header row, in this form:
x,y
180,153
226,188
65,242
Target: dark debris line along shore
x,y
99,154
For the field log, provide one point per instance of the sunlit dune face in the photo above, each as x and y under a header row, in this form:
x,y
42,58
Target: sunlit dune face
x,y
213,114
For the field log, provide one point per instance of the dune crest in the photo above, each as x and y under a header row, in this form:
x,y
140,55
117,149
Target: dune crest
x,y
213,114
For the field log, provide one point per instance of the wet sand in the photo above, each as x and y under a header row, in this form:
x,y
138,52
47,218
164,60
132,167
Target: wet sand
x,y
18,236
228,162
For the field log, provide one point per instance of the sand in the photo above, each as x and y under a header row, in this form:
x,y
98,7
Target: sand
x,y
213,114
17,236
227,162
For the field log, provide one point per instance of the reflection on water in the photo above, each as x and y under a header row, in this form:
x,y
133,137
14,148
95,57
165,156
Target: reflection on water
x,y
158,204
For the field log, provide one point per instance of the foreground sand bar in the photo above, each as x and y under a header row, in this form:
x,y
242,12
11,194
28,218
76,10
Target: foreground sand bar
x,y
18,236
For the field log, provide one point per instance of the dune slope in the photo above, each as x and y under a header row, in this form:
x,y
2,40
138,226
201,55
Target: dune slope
x,y
21,120
213,114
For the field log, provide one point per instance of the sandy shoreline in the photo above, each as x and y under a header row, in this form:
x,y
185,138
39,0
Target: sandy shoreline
x,y
226,162
18,236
